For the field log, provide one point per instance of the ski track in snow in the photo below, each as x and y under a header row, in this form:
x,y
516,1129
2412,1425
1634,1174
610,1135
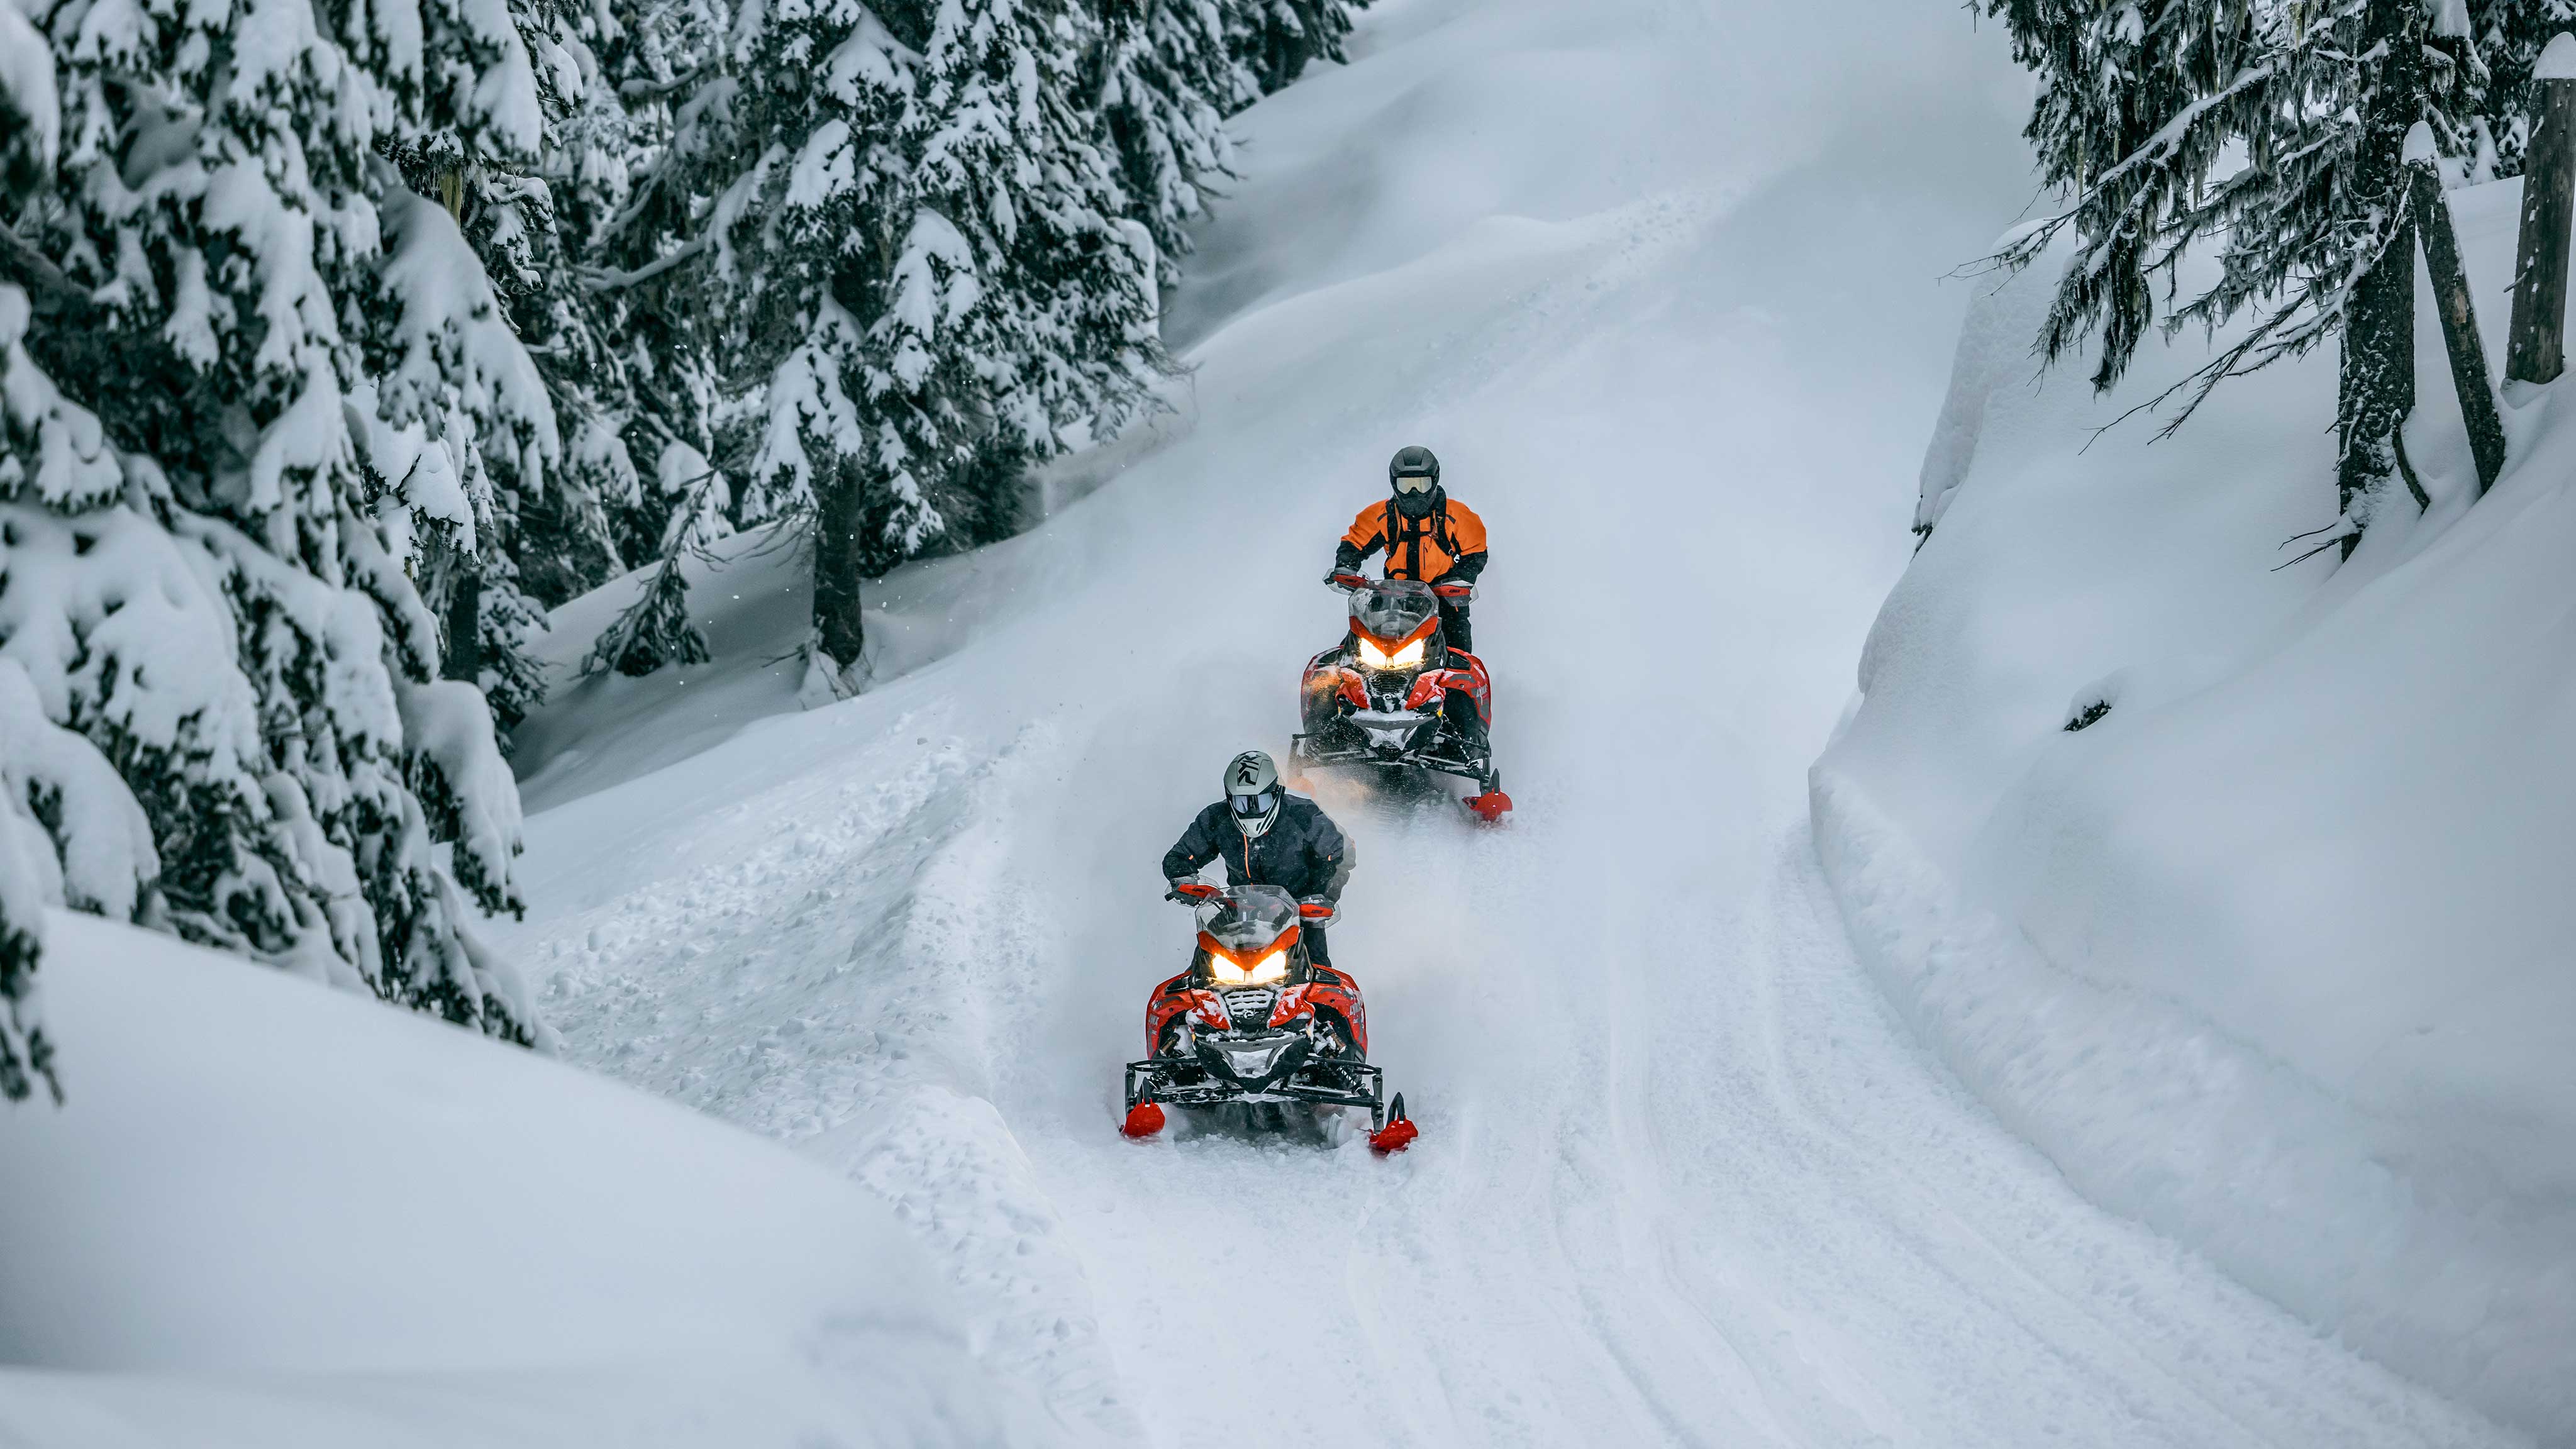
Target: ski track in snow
x,y
1676,1218
1684,1178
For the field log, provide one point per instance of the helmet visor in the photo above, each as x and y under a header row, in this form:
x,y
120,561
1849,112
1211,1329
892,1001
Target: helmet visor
x,y
1413,483
1254,806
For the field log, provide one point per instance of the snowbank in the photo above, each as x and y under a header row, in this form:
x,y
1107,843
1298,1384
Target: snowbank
x,y
2274,954
271,1214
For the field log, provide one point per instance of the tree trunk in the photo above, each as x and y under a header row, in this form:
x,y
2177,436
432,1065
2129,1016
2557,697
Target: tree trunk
x,y
464,658
2538,348
840,628
2376,389
2459,324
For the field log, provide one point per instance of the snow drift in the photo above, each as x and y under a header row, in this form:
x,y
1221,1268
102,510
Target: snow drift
x,y
271,1214
2273,952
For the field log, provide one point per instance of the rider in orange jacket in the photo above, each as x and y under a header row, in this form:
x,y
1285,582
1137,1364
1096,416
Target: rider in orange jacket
x,y
1427,535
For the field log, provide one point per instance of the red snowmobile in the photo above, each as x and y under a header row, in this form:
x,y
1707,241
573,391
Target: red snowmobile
x,y
1396,699
1253,1022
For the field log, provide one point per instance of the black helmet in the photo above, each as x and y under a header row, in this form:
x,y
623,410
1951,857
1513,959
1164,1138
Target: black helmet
x,y
1414,475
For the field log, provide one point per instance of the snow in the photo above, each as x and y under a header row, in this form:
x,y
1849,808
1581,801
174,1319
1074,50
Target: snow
x,y
2166,1089
27,84
452,352
106,856
74,467
397,1232
2419,143
2557,59
1658,282
448,727
2269,956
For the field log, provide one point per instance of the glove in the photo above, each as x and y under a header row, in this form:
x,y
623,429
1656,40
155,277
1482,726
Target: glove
x,y
1190,890
1317,911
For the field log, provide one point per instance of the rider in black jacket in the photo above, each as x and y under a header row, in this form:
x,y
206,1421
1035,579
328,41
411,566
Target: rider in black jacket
x,y
1266,836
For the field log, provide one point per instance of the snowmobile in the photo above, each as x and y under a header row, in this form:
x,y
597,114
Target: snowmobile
x,y
1254,1022
1397,699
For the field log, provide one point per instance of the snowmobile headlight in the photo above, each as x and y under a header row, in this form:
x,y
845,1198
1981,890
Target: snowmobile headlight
x,y
1404,658
1272,967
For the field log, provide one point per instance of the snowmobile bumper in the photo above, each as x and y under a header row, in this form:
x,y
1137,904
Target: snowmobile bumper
x,y
1183,1082
1445,755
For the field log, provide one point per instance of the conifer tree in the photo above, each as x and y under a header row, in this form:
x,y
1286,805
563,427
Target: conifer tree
x,y
882,258
2509,36
1278,39
1170,81
257,356
2144,108
656,629
909,225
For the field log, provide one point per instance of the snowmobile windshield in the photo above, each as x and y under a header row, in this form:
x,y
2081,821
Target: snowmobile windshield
x,y
1248,918
1392,609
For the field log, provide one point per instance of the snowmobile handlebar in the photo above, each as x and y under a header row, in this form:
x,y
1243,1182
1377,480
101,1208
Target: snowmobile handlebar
x,y
1341,582
1318,912
1191,893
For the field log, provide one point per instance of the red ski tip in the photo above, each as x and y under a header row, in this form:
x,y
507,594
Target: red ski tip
x,y
1393,1137
1143,1120
1490,806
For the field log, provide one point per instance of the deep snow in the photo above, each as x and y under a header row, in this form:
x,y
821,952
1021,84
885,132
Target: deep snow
x,y
2274,955
1659,280
270,1214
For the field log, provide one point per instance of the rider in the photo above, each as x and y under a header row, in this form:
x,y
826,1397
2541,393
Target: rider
x,y
1267,837
1427,535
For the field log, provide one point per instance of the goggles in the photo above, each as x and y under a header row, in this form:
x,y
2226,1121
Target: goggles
x,y
1253,807
1413,483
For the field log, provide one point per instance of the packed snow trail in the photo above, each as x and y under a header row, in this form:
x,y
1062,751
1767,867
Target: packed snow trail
x,y
1656,279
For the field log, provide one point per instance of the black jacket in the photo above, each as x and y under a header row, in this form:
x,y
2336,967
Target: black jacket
x,y
1303,852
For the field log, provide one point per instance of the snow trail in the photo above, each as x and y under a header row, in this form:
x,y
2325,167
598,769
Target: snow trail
x,y
1683,1178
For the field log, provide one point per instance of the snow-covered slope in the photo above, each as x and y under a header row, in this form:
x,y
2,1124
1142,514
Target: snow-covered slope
x,y
1658,279
271,1214
2275,955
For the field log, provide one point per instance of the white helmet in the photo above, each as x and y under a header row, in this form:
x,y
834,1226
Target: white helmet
x,y
1252,791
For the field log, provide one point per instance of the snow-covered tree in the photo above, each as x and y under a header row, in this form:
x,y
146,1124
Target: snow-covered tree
x,y
248,371
883,257
70,832
658,274
1169,81
656,629
2272,134
905,222
1278,39
2509,36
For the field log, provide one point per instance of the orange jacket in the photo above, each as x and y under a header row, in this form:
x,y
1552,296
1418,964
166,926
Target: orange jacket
x,y
1448,542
